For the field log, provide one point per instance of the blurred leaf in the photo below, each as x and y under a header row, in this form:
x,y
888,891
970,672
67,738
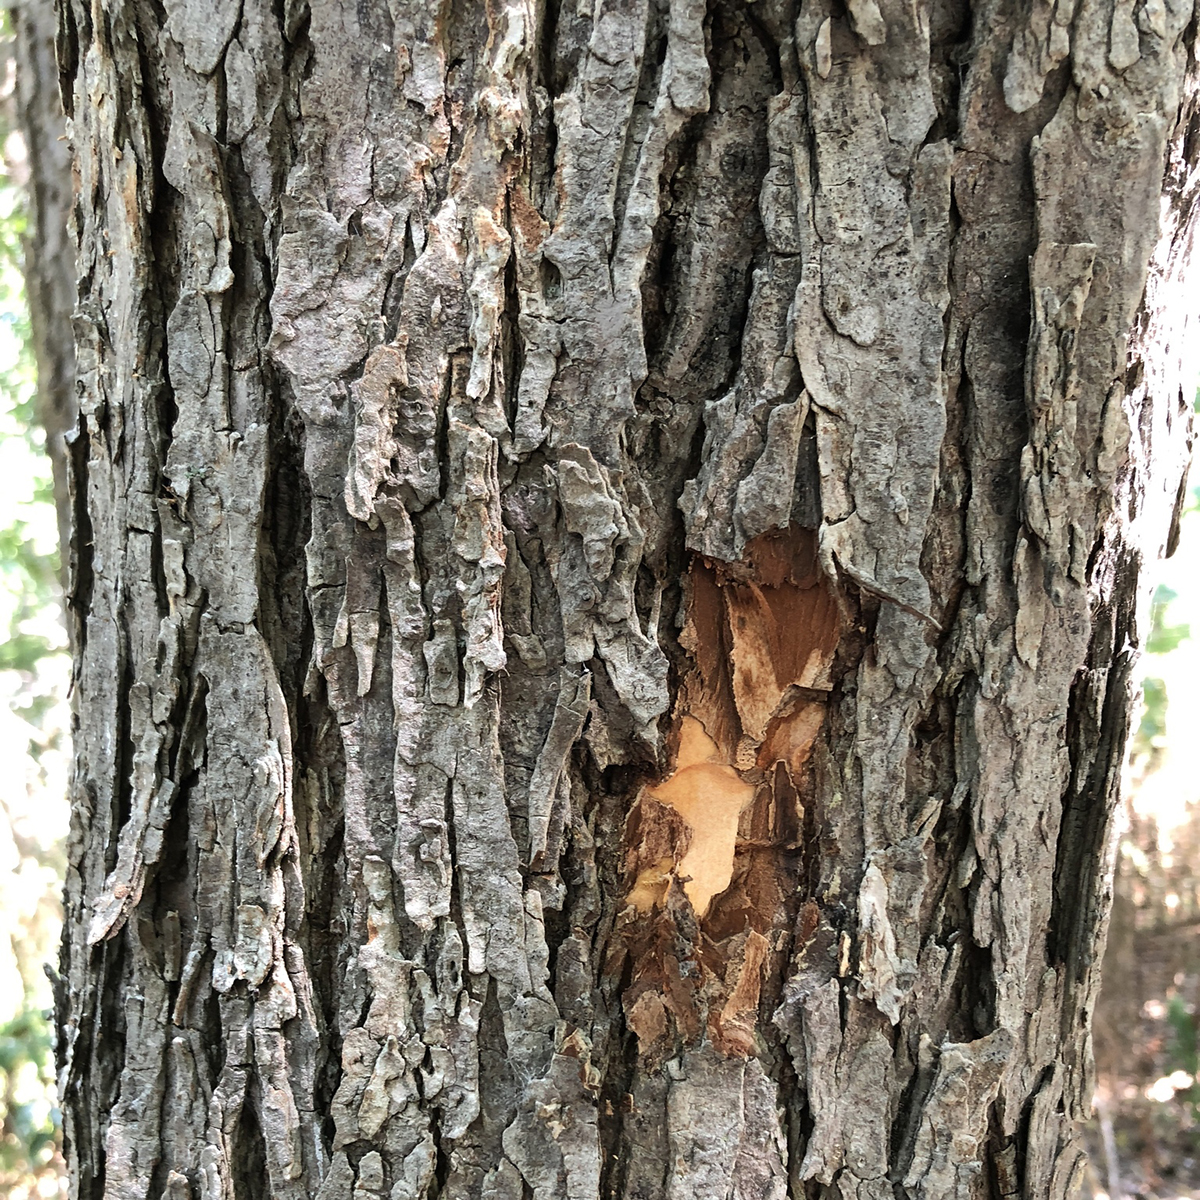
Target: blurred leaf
x,y
28,1125
23,652
1183,1055
1164,638
1183,1026
1154,715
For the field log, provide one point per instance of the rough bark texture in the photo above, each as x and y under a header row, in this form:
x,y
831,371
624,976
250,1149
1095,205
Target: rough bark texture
x,y
604,582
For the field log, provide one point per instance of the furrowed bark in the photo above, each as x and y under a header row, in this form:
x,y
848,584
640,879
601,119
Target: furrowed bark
x,y
604,581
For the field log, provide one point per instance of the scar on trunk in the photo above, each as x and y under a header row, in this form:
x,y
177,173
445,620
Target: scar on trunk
x,y
711,848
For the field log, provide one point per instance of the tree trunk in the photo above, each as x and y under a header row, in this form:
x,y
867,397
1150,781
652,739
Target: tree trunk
x,y
604,587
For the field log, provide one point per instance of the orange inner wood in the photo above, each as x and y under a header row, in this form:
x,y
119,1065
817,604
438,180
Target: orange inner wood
x,y
763,634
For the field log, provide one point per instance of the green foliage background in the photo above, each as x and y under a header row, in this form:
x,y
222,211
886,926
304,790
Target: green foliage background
x,y
33,675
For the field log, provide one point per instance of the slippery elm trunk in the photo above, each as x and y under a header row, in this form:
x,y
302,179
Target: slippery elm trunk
x,y
603,581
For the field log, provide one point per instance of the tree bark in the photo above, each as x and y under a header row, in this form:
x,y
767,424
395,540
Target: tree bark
x,y
604,578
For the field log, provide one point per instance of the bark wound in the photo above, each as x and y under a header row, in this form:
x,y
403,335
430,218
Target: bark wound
x,y
711,848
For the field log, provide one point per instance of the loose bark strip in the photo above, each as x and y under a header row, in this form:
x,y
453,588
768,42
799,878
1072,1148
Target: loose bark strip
x,y
606,540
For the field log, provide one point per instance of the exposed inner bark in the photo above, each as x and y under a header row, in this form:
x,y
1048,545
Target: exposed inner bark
x,y
724,827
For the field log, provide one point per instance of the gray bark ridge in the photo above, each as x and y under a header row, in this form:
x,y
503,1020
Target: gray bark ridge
x,y
604,588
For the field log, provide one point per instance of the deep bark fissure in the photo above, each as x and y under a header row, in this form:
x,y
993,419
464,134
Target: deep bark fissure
x,y
249,1151
1083,832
